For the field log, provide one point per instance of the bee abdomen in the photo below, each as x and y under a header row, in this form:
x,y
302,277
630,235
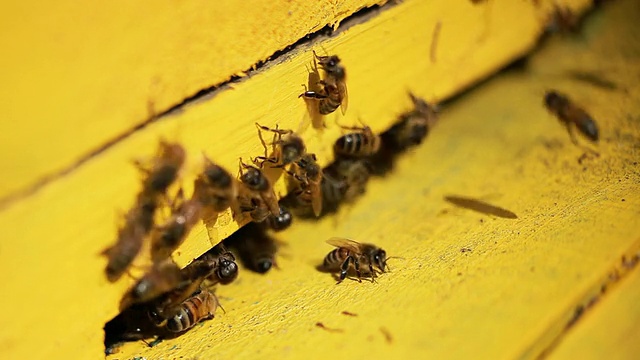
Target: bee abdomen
x,y
332,260
328,105
589,128
186,318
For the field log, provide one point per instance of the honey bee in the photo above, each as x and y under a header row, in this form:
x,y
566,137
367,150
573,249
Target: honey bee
x,y
138,223
349,251
199,307
280,222
355,175
215,188
287,147
171,234
163,277
412,127
255,248
569,113
333,91
218,266
161,173
363,142
163,169
259,199
309,176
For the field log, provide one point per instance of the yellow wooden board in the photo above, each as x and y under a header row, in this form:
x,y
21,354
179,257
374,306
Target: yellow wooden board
x,y
610,330
54,236
98,70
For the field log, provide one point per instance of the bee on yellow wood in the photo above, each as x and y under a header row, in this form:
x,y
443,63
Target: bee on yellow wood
x,y
362,256
308,174
354,173
360,143
571,115
218,266
257,195
412,127
200,306
163,169
163,277
138,223
215,188
333,87
160,174
286,147
170,235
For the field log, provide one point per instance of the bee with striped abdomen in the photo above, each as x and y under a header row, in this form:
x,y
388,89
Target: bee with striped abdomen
x,y
198,307
360,143
160,174
362,256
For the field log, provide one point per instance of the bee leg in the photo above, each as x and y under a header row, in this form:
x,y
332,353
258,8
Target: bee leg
x,y
313,95
344,267
373,273
572,134
356,264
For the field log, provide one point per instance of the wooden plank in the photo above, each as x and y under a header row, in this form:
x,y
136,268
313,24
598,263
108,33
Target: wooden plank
x,y
100,70
57,233
609,330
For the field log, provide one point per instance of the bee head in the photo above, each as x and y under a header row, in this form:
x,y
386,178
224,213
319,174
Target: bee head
x,y
254,179
227,270
380,259
283,220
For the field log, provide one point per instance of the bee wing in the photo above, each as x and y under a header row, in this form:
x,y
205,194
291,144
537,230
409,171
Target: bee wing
x,y
345,243
345,99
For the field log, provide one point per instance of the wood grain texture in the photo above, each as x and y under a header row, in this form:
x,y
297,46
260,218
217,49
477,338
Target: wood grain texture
x,y
99,70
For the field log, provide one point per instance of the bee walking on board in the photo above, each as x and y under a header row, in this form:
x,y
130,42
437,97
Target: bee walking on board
x,y
159,175
215,189
286,147
362,256
257,196
163,277
200,306
571,115
168,236
333,87
360,143
309,175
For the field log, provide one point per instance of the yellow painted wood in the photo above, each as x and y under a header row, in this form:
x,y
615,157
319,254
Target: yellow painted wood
x,y
99,70
610,330
54,236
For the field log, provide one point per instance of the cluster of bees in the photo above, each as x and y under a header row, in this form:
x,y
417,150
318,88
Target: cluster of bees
x,y
167,301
